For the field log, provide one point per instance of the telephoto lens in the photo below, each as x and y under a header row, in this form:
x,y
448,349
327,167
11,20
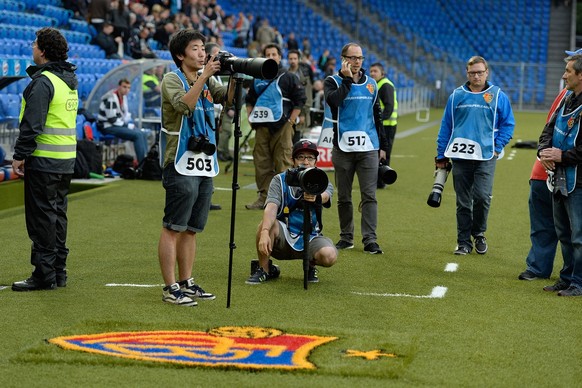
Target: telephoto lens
x,y
434,198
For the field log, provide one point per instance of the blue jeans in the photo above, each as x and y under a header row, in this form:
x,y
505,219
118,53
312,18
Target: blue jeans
x,y
139,139
365,165
544,241
473,182
568,220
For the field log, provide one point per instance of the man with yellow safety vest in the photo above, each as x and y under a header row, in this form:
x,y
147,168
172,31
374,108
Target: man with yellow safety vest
x,y
388,105
44,154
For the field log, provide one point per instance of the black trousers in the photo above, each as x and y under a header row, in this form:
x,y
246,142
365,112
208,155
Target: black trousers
x,y
45,205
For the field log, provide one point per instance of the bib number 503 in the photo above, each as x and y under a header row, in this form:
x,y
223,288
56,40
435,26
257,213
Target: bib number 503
x,y
199,164
463,148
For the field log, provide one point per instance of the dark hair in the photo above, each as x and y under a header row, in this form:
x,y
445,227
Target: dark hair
x,y
378,65
180,40
293,51
52,43
272,45
209,46
577,65
123,81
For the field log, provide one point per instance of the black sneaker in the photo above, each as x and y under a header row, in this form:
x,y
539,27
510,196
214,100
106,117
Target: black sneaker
x,y
260,276
31,284
558,286
312,275
62,279
194,291
373,248
571,291
462,251
528,275
341,244
480,245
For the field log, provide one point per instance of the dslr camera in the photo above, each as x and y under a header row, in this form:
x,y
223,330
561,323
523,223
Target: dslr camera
x,y
441,174
255,67
201,144
559,181
311,180
386,174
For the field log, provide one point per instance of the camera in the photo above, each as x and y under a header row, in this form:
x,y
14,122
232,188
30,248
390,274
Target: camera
x,y
386,174
201,144
441,174
255,67
311,180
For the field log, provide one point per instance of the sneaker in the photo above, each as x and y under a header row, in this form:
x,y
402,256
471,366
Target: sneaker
x,y
558,286
194,291
259,204
462,251
260,276
62,279
373,248
274,270
480,245
32,284
341,244
173,294
312,275
528,275
215,207
571,291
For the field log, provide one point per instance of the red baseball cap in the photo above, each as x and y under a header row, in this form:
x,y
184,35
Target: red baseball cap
x,y
305,145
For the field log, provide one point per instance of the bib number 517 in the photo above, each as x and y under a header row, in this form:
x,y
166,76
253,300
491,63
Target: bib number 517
x,y
356,140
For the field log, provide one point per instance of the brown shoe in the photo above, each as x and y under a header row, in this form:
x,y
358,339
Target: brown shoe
x,y
259,204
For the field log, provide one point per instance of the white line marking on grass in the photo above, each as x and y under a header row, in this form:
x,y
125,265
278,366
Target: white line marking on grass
x,y
3,287
132,285
437,292
412,131
451,267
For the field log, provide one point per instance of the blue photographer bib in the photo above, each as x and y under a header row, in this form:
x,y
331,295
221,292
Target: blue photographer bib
x,y
355,117
188,162
269,105
293,221
474,124
566,132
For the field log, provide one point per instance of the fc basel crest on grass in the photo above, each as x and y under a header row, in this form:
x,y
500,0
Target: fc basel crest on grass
x,y
234,346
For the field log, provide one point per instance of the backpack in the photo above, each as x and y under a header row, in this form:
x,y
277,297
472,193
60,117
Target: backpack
x,y
81,167
149,168
124,165
93,154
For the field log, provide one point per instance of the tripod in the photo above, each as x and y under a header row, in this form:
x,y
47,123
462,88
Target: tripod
x,y
238,79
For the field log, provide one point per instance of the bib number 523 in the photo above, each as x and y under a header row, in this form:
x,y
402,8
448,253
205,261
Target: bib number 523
x,y
463,148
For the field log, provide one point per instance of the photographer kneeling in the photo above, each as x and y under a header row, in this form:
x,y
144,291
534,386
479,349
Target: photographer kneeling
x,y
280,233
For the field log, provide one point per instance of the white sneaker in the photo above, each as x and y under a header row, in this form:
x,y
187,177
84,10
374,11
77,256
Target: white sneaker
x,y
192,290
173,294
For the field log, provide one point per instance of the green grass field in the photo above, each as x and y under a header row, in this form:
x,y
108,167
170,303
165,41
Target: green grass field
x,y
489,329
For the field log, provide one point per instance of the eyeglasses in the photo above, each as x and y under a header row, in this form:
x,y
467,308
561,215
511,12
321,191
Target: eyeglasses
x,y
33,44
309,158
355,58
476,73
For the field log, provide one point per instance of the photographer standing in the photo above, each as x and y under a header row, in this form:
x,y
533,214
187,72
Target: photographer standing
x,y
560,152
280,233
273,108
477,123
358,135
188,146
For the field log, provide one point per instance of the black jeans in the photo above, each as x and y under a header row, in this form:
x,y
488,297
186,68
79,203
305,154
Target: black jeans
x,y
45,205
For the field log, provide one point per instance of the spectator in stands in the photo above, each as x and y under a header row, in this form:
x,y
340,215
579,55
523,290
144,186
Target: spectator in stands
x,y
80,8
107,42
187,105
306,47
114,118
99,12
330,66
163,34
358,138
322,61
305,77
292,43
265,34
388,106
120,18
138,45
44,154
476,104
242,27
318,99
273,108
